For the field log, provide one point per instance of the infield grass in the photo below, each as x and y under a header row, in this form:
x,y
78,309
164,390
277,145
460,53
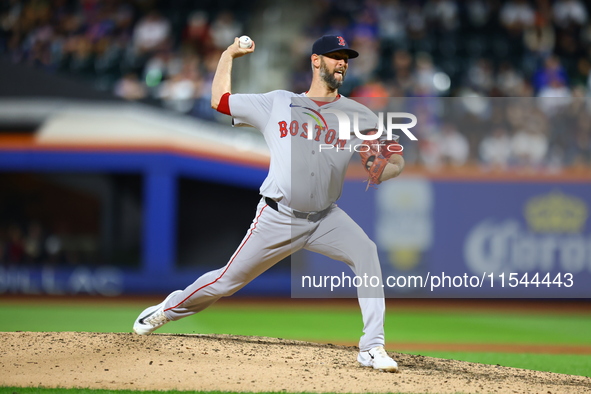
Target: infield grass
x,y
571,364
324,325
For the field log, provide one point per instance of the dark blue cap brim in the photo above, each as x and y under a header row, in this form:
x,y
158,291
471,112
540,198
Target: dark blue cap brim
x,y
352,54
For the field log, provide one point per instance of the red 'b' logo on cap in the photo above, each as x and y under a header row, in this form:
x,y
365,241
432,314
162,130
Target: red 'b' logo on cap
x,y
342,41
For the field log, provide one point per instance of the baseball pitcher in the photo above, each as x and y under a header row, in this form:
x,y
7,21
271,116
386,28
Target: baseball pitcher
x,y
297,209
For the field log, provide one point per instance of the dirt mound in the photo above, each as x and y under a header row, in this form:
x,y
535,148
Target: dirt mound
x,y
234,363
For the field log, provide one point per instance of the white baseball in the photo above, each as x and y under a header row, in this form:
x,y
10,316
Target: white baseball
x,y
244,42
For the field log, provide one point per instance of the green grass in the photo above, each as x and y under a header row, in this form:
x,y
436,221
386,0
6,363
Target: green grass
x,y
325,325
570,364
487,327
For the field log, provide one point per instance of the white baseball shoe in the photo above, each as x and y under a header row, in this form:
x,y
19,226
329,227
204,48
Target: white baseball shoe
x,y
152,318
378,359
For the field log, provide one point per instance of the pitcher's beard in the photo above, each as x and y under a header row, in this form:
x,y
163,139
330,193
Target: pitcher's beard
x,y
329,77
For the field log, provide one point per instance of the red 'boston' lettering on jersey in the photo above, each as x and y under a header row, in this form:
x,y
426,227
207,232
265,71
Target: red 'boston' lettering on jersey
x,y
293,127
319,133
283,128
319,130
330,136
304,133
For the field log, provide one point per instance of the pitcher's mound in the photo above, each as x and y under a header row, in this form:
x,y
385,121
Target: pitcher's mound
x,y
235,363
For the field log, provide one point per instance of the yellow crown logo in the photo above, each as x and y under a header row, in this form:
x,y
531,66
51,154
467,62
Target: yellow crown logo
x,y
556,213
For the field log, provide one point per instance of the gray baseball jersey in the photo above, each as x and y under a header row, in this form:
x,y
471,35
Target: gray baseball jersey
x,y
304,145
298,210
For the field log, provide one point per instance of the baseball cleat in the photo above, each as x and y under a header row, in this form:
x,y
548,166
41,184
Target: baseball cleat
x,y
378,359
152,318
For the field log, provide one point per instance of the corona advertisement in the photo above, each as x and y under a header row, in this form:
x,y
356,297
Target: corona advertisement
x,y
522,240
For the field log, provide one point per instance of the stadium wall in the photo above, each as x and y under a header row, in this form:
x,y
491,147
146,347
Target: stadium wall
x,y
423,226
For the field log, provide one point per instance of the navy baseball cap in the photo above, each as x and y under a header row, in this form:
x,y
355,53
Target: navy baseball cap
x,y
327,44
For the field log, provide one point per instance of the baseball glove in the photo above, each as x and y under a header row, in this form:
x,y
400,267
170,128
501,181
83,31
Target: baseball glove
x,y
373,161
389,148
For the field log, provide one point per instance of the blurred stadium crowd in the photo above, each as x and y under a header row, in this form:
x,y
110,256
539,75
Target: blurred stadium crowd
x,y
34,246
166,53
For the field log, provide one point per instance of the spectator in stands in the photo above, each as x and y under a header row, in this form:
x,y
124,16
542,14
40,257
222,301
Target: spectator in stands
x,y
160,67
369,51
365,25
15,248
480,76
478,14
123,16
582,77
554,97
12,13
102,25
508,80
416,25
130,87
224,28
181,89
568,13
495,149
34,243
151,34
391,20
579,149
448,147
442,15
517,15
403,78
551,70
452,145
373,94
529,146
54,249
423,75
569,17
540,39
80,55
197,34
